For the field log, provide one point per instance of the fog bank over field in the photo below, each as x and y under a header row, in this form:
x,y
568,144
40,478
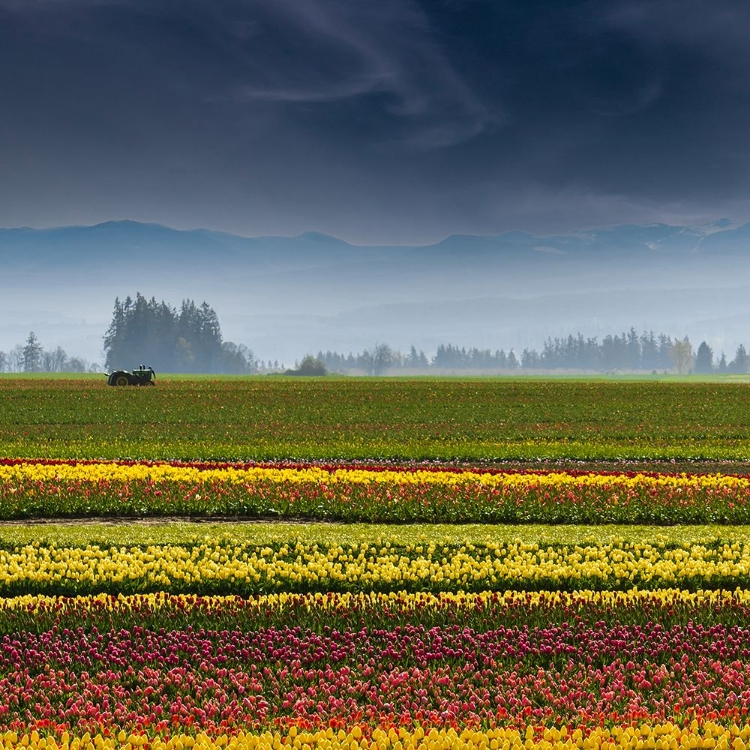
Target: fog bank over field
x,y
287,296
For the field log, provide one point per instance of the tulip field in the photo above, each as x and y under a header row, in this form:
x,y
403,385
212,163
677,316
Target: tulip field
x,y
381,494
387,419
387,565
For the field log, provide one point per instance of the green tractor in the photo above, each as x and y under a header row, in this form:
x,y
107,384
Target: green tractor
x,y
141,376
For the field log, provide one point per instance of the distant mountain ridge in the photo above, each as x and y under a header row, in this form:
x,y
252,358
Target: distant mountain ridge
x,y
285,296
127,235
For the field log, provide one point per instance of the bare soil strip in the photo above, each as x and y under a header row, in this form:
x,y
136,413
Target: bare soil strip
x,y
158,520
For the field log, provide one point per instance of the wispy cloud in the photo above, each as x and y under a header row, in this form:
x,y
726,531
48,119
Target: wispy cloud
x,y
717,31
389,50
288,52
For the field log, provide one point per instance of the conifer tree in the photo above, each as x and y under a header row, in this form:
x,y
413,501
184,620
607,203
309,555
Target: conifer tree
x,y
154,333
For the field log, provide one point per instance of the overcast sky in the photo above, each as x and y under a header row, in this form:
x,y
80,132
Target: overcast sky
x,y
389,121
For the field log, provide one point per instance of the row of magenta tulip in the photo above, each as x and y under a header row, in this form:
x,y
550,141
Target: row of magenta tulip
x,y
29,489
579,673
227,567
90,673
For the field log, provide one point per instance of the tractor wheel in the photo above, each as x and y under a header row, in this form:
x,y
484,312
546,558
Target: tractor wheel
x,y
120,378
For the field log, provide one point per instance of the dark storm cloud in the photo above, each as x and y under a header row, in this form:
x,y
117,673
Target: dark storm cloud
x,y
286,52
628,98
374,121
334,51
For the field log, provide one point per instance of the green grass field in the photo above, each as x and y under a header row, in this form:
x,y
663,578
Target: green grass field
x,y
128,533
475,420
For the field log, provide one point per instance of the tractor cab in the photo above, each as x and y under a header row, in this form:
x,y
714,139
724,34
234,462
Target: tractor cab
x,y
145,375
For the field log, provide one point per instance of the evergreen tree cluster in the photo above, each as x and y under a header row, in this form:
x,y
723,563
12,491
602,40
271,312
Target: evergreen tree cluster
x,y
704,361
382,358
187,340
628,352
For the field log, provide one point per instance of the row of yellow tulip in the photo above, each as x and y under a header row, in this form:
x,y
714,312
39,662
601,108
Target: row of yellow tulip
x,y
355,494
244,568
666,736
108,471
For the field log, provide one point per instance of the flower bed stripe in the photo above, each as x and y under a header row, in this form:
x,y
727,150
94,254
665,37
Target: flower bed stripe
x,y
707,735
75,489
583,674
246,569
116,667
480,611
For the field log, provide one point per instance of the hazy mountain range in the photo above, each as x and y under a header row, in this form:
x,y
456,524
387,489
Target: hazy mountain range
x,y
286,296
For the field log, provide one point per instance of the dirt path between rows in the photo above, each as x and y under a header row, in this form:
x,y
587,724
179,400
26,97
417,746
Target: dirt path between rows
x,y
156,520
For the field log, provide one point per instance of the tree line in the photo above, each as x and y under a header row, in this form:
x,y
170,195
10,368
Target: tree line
x,y
31,356
629,351
189,340
184,340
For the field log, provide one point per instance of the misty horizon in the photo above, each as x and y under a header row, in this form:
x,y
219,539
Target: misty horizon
x,y
620,353
286,297
698,230
709,226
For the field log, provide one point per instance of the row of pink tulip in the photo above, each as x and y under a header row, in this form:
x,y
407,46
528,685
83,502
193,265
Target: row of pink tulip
x,y
587,674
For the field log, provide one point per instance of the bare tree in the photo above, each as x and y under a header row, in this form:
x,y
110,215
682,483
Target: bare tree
x,y
57,359
682,355
382,359
77,364
15,359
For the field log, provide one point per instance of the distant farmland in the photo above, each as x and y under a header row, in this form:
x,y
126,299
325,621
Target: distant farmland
x,y
465,420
